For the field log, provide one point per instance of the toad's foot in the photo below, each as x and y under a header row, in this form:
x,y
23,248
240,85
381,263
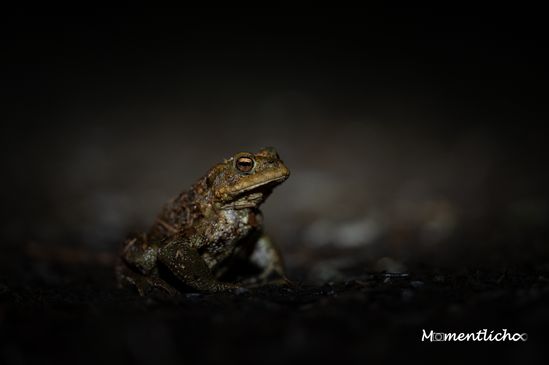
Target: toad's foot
x,y
143,284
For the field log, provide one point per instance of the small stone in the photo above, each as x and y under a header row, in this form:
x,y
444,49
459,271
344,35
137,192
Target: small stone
x,y
240,291
193,295
390,265
439,279
325,273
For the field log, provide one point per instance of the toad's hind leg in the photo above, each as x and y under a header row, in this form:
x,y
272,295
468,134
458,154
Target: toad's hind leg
x,y
128,277
136,267
268,258
186,264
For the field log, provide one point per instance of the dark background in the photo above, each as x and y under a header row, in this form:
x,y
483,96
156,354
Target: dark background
x,y
414,136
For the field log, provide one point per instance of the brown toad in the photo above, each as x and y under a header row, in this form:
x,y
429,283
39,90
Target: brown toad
x,y
210,237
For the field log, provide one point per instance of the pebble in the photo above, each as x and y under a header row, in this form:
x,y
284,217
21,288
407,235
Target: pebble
x,y
240,291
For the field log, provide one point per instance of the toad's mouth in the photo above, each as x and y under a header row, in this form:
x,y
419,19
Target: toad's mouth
x,y
255,194
262,185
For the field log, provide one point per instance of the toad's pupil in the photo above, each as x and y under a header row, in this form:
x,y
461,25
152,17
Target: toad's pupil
x,y
245,164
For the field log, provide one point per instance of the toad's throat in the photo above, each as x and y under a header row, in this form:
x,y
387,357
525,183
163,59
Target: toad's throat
x,y
250,199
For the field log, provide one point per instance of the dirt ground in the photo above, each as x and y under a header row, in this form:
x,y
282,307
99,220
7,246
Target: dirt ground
x,y
59,313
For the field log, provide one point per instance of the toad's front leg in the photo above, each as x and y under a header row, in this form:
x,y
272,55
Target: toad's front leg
x,y
190,268
267,257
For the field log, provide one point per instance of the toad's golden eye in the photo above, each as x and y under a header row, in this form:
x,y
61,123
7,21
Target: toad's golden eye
x,y
244,164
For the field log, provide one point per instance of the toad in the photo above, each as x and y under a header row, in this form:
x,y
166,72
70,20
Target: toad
x,y
210,237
